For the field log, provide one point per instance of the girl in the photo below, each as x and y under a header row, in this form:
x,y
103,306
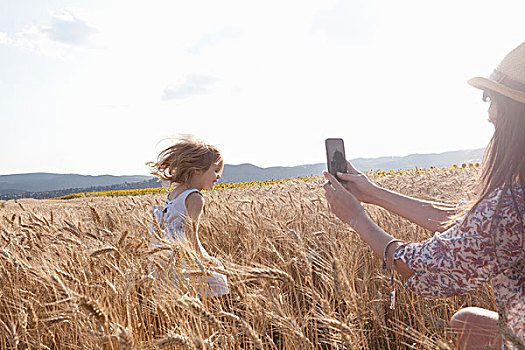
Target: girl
x,y
192,166
486,244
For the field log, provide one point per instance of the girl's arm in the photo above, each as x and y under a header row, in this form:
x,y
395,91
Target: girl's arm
x,y
194,205
430,215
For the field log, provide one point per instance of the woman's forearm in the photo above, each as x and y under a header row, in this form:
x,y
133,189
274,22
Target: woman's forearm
x,y
378,240
348,209
430,215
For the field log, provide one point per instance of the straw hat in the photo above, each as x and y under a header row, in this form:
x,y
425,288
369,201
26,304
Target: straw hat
x,y
509,78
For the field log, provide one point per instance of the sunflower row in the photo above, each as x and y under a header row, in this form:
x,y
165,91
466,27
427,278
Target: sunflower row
x,y
261,183
137,192
133,192
461,167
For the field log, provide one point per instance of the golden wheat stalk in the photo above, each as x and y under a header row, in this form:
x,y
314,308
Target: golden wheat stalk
x,y
197,309
174,340
94,308
96,216
246,327
125,338
104,250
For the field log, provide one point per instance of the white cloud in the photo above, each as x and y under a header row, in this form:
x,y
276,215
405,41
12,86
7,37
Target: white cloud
x,y
67,30
193,86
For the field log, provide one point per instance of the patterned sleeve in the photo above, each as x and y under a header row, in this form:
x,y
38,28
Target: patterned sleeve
x,y
462,258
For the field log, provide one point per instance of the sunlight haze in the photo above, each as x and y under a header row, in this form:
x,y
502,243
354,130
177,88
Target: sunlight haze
x,y
97,87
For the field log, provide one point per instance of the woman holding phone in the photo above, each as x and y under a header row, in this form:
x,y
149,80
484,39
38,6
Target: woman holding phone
x,y
486,244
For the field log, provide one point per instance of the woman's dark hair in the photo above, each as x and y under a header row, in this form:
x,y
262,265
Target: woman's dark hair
x,y
504,158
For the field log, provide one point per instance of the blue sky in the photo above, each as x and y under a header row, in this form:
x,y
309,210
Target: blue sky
x,y
97,87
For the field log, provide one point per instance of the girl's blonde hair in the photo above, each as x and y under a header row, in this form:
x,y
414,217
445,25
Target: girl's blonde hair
x,y
176,164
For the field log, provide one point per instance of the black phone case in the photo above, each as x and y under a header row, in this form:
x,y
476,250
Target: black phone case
x,y
330,162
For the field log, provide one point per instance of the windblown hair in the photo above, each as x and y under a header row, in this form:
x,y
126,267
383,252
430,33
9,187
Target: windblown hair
x,y
504,158
177,163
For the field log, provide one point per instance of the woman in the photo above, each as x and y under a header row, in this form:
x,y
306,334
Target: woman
x,y
487,244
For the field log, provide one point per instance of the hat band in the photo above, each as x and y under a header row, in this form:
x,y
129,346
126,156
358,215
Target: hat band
x,y
503,79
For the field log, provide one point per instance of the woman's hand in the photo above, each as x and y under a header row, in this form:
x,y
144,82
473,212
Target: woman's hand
x,y
358,184
343,203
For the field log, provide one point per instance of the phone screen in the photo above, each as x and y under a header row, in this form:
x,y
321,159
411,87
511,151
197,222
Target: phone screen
x,y
335,156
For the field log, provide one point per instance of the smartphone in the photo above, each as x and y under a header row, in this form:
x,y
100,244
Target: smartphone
x,y
335,156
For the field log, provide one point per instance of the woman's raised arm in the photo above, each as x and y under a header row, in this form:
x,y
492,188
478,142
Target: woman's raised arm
x,y
433,216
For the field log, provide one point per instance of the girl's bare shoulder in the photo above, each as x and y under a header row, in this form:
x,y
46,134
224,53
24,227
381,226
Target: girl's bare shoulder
x,y
194,204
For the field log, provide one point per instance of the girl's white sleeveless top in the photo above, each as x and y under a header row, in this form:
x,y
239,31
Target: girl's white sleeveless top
x,y
172,216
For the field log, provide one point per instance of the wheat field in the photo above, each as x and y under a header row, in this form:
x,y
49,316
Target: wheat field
x,y
76,274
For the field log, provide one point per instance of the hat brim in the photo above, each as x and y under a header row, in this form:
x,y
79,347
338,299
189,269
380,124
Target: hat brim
x,y
488,84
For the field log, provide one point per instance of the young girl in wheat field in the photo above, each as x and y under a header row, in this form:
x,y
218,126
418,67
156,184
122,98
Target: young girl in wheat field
x,y
486,244
192,166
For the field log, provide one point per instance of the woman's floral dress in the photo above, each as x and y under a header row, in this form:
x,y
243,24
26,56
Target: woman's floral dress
x,y
472,252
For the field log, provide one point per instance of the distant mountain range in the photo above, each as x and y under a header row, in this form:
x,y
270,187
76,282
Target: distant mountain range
x,y
33,182
45,185
249,172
